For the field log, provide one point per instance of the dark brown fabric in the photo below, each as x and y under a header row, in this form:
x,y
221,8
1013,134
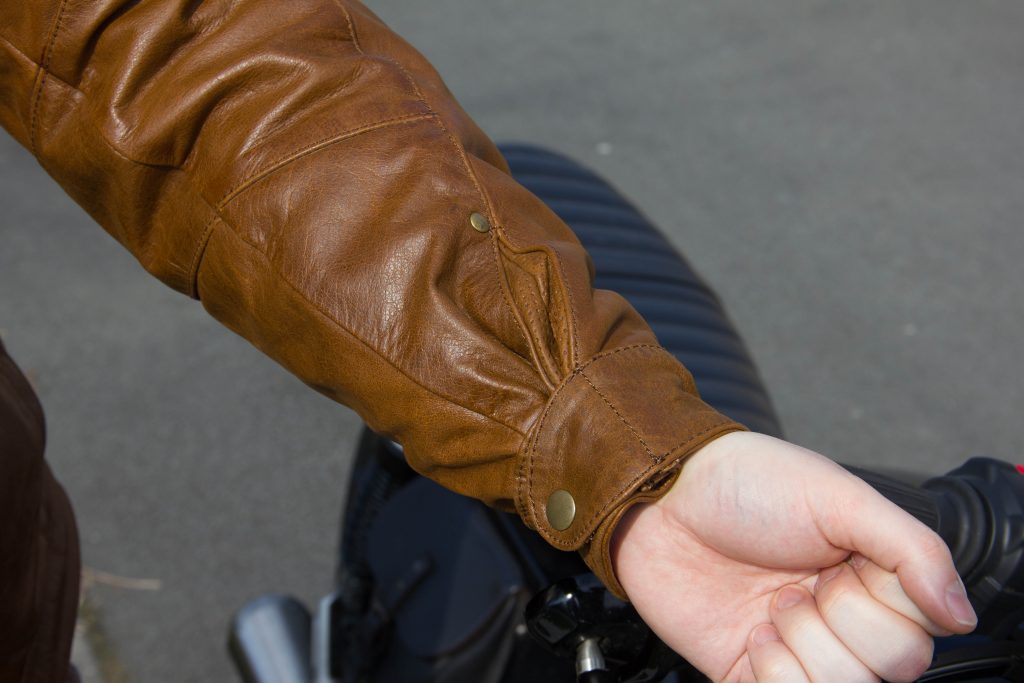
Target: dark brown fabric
x,y
39,561
306,174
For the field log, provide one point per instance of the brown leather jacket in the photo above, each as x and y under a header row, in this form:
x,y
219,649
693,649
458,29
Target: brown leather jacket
x,y
305,173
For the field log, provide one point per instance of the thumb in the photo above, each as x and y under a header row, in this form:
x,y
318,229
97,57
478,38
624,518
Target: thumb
x,y
868,523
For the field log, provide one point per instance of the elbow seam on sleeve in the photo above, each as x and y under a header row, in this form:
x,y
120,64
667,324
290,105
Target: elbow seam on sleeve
x,y
44,64
467,167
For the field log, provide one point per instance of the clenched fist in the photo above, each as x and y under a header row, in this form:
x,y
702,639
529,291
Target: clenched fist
x,y
768,562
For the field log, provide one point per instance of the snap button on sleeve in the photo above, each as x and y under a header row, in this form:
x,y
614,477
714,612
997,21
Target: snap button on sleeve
x,y
479,222
561,509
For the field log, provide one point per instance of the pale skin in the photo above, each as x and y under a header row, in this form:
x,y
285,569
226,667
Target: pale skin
x,y
768,562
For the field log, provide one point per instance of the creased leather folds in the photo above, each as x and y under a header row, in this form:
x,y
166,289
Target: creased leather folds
x,y
306,174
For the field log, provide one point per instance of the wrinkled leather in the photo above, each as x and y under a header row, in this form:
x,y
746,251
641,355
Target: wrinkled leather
x,y
305,173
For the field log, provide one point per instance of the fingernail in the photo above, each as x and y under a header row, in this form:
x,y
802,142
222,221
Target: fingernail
x,y
826,575
857,561
764,634
958,604
789,596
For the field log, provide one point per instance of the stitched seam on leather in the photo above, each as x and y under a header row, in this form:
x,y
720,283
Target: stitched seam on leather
x,y
525,487
44,67
525,476
485,198
351,27
502,283
274,166
249,182
567,543
197,257
532,460
314,147
121,154
574,344
622,417
551,256
534,344
506,289
621,349
528,482
100,135
539,345
270,266
575,350
604,558
525,512
460,150
387,59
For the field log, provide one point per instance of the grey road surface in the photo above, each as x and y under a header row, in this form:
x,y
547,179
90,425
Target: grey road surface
x,y
850,176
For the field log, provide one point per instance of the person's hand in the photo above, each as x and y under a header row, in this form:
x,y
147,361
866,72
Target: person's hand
x,y
769,562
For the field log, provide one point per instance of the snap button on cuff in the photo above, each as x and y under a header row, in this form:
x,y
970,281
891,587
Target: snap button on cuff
x,y
561,510
479,222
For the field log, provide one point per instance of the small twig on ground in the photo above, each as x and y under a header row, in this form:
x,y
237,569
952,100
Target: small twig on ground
x,y
92,577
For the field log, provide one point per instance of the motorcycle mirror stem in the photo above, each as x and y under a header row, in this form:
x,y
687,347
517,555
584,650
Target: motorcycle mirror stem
x,y
270,641
590,665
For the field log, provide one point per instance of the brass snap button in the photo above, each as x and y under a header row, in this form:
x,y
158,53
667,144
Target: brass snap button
x,y
561,509
479,222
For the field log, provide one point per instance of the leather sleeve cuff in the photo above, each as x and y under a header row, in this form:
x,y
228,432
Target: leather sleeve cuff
x,y
613,434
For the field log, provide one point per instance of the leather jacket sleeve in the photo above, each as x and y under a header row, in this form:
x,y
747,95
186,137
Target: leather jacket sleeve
x,y
304,173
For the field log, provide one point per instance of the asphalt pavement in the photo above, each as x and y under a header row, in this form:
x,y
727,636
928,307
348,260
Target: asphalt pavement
x,y
849,177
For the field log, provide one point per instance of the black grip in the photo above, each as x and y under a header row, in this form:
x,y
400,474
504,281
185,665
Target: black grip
x,y
947,505
978,510
919,502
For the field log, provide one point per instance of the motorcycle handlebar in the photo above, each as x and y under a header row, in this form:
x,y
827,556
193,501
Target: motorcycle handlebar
x,y
978,510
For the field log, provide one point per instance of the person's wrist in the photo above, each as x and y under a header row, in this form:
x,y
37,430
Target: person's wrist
x,y
627,538
638,531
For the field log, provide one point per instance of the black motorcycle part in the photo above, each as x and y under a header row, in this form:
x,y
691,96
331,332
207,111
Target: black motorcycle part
x,y
574,609
998,662
978,510
580,608
440,575
991,511
448,593
631,257
597,677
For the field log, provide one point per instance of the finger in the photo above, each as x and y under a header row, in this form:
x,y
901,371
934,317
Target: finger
x,y
770,659
820,653
885,587
866,522
890,644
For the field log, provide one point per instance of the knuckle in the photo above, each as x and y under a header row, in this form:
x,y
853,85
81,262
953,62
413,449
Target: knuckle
x,y
886,587
776,670
933,547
